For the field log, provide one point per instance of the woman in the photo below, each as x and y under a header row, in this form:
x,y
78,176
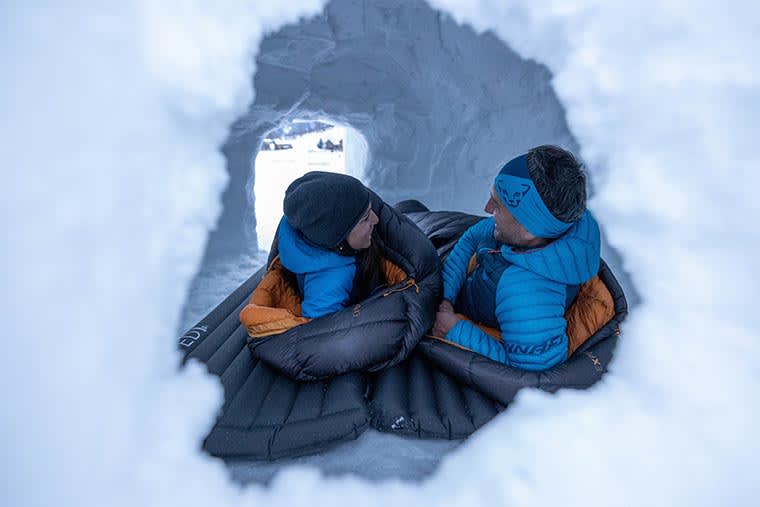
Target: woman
x,y
325,239
351,284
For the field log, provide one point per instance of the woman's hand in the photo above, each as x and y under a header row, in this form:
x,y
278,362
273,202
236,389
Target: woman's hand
x,y
445,319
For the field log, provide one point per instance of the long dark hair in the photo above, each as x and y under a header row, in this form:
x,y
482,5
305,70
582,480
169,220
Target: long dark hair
x,y
369,271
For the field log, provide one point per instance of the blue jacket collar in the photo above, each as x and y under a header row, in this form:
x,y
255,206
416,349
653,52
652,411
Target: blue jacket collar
x,y
301,257
572,259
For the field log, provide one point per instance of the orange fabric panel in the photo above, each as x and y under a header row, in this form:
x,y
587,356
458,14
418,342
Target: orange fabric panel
x,y
592,309
274,291
275,305
261,321
472,264
393,273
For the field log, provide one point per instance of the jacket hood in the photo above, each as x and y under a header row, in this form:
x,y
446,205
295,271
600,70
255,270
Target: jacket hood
x,y
572,259
302,257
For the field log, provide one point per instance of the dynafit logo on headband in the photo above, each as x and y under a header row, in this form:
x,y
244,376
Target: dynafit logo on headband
x,y
515,195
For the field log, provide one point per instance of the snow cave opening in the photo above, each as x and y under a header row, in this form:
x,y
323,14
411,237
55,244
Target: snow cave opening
x,y
434,109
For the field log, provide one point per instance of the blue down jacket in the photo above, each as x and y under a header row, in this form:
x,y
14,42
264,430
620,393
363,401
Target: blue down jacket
x,y
325,278
524,293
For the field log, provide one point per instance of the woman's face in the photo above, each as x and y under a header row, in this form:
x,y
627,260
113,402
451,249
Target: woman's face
x,y
360,236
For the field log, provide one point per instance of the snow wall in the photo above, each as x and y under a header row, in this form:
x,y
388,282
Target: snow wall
x,y
113,181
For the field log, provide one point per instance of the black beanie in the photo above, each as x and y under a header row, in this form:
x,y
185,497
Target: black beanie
x,y
325,206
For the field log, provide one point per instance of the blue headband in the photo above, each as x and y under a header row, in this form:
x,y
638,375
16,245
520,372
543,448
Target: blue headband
x,y
519,195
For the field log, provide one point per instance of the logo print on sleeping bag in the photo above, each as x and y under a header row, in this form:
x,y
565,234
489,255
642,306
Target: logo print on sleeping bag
x,y
515,196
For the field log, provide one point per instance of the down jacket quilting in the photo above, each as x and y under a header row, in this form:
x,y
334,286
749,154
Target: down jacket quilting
x,y
523,293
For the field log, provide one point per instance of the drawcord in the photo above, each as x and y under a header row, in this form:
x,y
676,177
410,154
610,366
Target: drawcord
x,y
409,284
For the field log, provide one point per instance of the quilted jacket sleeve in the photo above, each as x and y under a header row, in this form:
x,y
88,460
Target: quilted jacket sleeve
x,y
455,267
530,310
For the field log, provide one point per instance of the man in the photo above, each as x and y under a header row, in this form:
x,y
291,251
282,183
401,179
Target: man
x,y
530,258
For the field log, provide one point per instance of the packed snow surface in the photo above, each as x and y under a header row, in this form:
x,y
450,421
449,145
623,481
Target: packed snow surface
x,y
115,186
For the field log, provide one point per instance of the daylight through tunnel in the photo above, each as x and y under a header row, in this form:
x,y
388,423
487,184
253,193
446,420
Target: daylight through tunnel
x,y
440,106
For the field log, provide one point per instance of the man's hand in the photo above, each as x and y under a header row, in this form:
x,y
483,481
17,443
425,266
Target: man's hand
x,y
445,319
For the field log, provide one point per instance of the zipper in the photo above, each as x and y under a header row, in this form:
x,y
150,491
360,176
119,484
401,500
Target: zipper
x,y
407,285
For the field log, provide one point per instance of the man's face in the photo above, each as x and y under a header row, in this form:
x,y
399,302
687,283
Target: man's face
x,y
507,229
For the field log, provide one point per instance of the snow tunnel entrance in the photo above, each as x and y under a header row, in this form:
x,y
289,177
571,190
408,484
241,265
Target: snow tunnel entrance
x,y
293,149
